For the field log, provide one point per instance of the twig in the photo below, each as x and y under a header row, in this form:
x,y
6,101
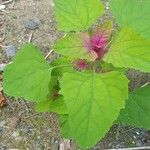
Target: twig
x,y
145,84
30,37
4,127
129,130
48,54
132,148
13,4
4,11
6,2
2,39
3,46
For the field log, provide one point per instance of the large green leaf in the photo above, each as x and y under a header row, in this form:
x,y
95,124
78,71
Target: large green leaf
x,y
65,127
94,102
58,106
72,46
76,15
133,13
28,76
129,50
137,110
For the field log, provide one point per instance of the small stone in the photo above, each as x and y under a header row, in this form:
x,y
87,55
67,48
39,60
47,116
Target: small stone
x,y
2,66
53,140
27,130
15,134
110,144
138,143
2,123
37,20
1,129
56,142
52,4
107,5
2,7
11,51
49,130
32,24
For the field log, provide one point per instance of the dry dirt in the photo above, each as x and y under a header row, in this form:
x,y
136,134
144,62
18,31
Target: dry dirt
x,y
20,126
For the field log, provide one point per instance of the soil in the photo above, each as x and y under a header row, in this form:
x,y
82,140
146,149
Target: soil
x,y
20,126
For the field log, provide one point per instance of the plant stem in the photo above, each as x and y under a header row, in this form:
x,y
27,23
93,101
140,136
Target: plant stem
x,y
61,66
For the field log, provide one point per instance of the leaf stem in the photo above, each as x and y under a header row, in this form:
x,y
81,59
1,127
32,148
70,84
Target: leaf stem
x,y
63,66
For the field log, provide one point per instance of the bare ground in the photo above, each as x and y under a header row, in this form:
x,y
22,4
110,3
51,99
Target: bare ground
x,y
20,126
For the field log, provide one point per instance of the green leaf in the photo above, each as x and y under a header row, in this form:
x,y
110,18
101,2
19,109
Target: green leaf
x,y
72,46
77,15
61,65
133,13
58,106
94,102
65,127
28,76
109,67
137,110
129,50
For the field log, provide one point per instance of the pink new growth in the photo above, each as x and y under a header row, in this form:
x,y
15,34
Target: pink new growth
x,y
81,64
97,41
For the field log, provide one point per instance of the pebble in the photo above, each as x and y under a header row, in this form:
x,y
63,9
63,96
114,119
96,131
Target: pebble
x,y
11,51
53,140
15,134
56,142
2,66
1,129
32,24
39,144
138,143
107,5
49,130
26,130
2,7
52,4
2,123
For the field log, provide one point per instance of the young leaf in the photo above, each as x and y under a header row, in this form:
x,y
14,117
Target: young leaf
x,y
89,46
137,110
28,76
65,127
129,50
72,46
58,106
133,13
97,40
94,102
77,15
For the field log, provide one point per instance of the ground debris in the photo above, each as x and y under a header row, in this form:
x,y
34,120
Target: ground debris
x,y
2,100
2,97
